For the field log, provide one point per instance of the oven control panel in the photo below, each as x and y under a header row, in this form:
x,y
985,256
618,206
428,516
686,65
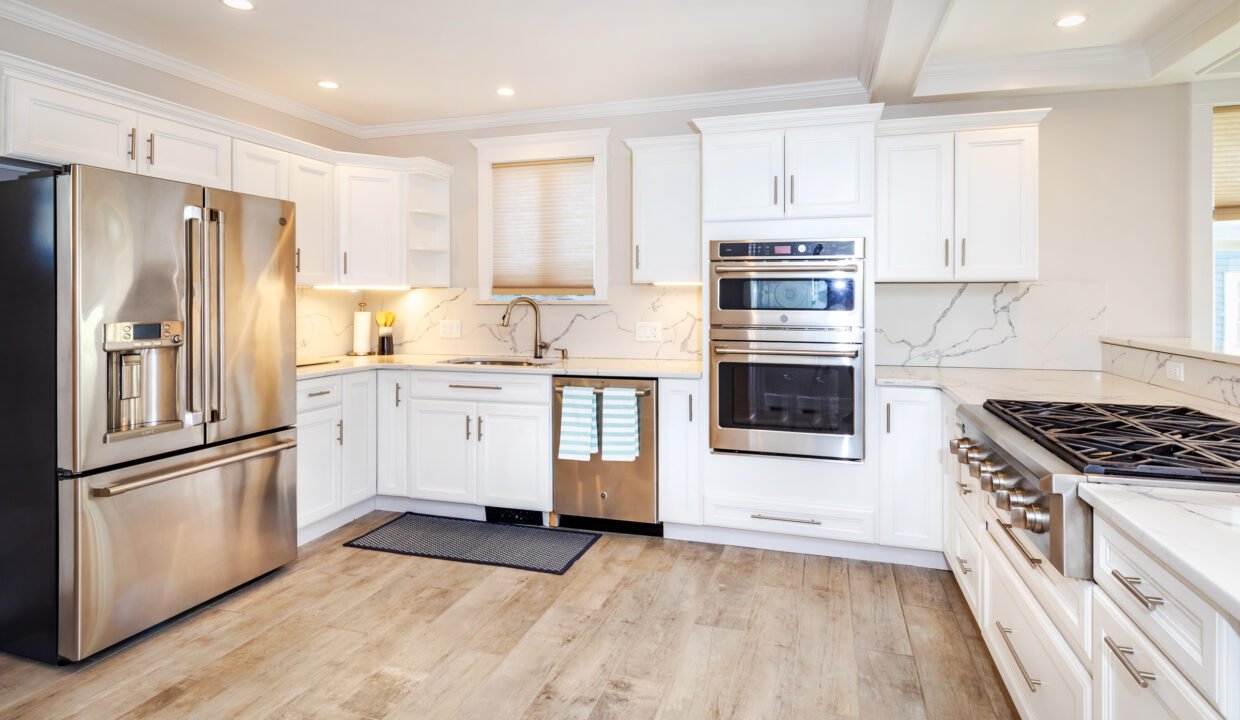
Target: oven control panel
x,y
787,249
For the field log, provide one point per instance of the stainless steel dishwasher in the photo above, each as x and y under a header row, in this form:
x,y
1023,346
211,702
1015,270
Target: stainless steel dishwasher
x,y
610,490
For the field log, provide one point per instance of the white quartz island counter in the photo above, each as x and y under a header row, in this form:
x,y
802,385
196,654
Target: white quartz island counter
x,y
600,367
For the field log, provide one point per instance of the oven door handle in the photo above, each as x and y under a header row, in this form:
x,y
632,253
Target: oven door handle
x,y
791,267
793,353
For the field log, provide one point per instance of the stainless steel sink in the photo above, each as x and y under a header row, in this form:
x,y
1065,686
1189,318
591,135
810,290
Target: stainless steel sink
x,y
505,362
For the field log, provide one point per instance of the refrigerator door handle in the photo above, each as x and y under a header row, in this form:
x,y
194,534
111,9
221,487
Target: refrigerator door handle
x,y
218,409
122,488
195,314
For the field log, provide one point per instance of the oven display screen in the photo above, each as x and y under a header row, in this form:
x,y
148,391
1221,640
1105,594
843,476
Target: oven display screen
x,y
783,249
146,331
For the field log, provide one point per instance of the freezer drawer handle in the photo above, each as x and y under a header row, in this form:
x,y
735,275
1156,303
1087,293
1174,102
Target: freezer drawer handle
x,y
114,490
599,391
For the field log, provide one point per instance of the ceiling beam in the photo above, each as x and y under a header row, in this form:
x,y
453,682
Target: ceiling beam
x,y
907,36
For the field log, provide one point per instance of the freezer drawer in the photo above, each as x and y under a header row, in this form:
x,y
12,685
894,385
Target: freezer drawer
x,y
142,544
627,491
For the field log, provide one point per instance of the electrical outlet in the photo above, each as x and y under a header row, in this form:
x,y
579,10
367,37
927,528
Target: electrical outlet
x,y
449,328
649,331
1175,371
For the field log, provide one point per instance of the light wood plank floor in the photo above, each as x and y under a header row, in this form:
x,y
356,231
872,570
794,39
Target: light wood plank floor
x,y
639,628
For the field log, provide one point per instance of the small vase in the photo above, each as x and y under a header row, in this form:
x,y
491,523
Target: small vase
x,y
387,344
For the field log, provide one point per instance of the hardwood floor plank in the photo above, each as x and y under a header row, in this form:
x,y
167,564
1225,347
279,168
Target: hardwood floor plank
x,y
782,569
701,686
826,573
826,656
921,587
889,687
950,685
733,585
878,617
984,664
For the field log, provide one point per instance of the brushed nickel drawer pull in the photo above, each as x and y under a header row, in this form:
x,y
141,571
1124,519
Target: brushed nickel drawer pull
x,y
964,565
1005,633
1034,560
802,521
1130,584
1122,652
964,488
476,387
319,393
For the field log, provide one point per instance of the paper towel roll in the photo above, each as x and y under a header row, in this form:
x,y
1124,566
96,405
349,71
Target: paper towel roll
x,y
361,332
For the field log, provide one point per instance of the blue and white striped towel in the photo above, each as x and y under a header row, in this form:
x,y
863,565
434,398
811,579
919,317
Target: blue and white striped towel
x,y
578,424
621,439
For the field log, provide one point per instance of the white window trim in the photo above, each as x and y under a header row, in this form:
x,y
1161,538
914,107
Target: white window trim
x,y
543,146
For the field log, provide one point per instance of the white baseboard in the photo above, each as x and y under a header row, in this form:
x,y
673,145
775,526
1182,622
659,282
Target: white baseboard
x,y
392,503
316,530
805,545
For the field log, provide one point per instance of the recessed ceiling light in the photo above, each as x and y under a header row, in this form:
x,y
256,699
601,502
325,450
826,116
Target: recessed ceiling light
x,y
239,4
1068,21
328,84
506,91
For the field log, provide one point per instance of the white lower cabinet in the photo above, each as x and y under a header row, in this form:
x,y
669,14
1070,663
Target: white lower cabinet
x,y
964,556
319,464
1133,680
680,483
911,468
358,437
392,445
335,444
442,450
514,461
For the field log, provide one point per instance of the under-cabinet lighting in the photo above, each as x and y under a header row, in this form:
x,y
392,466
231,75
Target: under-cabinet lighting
x,y
355,288
329,84
1068,21
239,4
506,91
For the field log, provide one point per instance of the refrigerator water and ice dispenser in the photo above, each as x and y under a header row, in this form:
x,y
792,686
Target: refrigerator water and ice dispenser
x,y
144,369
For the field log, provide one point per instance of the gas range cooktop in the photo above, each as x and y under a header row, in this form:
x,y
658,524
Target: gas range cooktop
x,y
1155,441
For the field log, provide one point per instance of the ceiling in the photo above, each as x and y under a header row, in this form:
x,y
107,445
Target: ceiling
x,y
409,66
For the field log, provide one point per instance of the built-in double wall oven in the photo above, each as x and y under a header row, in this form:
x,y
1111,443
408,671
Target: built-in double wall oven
x,y
787,352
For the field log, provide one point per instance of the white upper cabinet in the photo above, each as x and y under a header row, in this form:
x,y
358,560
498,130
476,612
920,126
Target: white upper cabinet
x,y
312,187
830,171
176,151
744,173
50,125
667,219
914,221
997,204
259,170
370,226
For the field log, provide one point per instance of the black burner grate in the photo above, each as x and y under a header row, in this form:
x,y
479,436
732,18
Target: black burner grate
x,y
1136,440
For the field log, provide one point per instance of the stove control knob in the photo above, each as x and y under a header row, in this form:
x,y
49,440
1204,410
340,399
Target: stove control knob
x,y
996,481
1009,499
1033,518
972,456
957,443
982,467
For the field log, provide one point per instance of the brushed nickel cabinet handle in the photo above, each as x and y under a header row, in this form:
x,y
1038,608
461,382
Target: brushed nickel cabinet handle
x,y
888,418
476,387
468,420
1005,633
775,191
150,155
340,432
1143,677
346,262
947,251
319,393
479,428
133,144
397,394
792,189
964,488
637,249
1130,584
964,250
297,259
690,407
801,521
964,565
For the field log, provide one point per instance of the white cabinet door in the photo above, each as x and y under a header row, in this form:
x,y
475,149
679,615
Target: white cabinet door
x,y
259,170
997,204
359,433
742,175
680,482
312,186
42,123
176,151
911,469
830,171
319,464
667,217
914,222
514,456
442,450
392,442
370,227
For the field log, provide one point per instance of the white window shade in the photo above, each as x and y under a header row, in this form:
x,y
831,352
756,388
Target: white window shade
x,y
543,228
1226,163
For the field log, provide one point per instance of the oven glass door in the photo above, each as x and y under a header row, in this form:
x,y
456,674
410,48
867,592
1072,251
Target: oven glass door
x,y
786,294
788,399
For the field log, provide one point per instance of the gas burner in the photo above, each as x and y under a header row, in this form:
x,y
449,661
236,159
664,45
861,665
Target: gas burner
x,y
1130,440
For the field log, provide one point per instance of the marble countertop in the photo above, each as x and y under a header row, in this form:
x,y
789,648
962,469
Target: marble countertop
x,y
1195,533
1175,346
602,367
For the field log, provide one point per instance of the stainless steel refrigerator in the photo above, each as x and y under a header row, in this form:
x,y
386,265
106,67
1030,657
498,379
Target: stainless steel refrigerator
x,y
149,366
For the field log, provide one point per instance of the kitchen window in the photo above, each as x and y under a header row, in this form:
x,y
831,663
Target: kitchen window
x,y
542,217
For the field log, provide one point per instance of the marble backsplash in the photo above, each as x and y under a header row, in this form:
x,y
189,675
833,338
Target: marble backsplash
x,y
325,323
1209,379
1045,326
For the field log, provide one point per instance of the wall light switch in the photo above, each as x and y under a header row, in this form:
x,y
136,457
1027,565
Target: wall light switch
x,y
449,328
649,332
1175,371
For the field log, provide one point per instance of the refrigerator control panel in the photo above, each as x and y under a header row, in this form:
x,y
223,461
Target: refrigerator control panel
x,y
140,335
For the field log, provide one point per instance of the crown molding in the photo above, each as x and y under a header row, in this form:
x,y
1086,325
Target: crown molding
x,y
687,141
791,118
61,27
1105,65
695,101
957,123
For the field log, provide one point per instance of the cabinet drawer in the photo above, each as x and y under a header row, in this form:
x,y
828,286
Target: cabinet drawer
x,y
1190,631
1042,673
746,513
482,387
1125,661
964,555
318,393
1064,600
966,496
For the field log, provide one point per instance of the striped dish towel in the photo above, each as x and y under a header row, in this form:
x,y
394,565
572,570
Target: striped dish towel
x,y
578,424
620,424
